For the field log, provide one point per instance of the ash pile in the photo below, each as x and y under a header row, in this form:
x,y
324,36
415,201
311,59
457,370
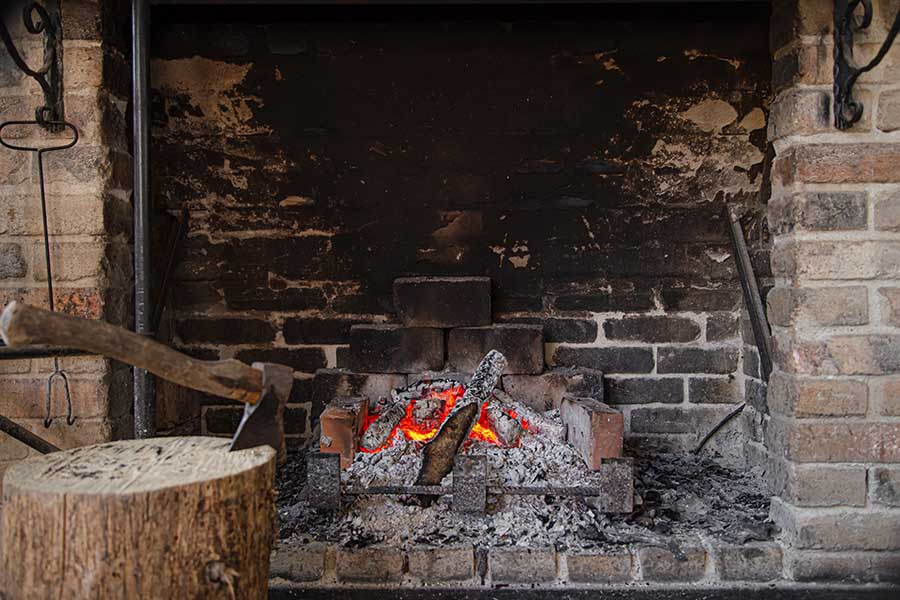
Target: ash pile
x,y
676,498
554,478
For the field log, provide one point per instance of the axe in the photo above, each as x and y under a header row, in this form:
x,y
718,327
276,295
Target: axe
x,y
263,388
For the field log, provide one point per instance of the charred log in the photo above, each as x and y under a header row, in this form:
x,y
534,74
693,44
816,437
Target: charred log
x,y
506,427
537,423
440,452
379,432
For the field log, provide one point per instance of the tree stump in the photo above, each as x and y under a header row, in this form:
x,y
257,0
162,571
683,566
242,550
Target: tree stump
x,y
157,518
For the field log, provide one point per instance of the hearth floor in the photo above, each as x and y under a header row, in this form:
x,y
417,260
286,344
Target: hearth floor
x,y
688,508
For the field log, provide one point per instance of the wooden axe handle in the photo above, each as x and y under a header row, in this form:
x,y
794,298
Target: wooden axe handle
x,y
21,324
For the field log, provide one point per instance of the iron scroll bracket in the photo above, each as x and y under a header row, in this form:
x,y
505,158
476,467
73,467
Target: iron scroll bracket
x,y
847,109
42,19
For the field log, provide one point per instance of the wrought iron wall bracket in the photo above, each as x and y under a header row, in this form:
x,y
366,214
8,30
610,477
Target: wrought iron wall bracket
x,y
848,110
42,19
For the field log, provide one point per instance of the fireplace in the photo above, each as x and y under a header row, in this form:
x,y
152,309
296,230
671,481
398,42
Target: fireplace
x,y
380,198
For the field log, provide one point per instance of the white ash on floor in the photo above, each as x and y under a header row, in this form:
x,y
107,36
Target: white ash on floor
x,y
680,495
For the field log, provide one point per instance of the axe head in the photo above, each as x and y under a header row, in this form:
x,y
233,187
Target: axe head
x,y
263,422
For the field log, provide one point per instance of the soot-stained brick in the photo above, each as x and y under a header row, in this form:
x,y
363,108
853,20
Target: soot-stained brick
x,y
443,301
652,329
675,359
643,390
522,345
306,360
713,390
574,331
225,331
307,330
396,349
613,359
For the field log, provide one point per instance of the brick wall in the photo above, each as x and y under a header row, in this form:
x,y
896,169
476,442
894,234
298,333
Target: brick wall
x,y
833,435
582,167
89,216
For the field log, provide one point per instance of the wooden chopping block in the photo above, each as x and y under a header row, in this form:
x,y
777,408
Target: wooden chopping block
x,y
156,518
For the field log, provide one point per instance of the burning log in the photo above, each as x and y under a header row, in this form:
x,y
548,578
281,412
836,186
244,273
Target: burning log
x,y
537,422
379,432
506,427
440,452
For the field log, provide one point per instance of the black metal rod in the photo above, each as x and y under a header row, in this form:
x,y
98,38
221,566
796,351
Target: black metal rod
x,y
144,401
38,351
26,437
176,238
439,490
752,297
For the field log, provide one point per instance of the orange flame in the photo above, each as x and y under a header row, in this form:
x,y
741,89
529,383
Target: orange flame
x,y
423,431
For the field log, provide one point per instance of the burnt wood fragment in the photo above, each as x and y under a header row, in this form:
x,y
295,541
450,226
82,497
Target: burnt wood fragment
x,y
439,453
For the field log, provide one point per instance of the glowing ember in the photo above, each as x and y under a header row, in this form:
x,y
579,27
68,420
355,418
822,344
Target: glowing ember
x,y
423,430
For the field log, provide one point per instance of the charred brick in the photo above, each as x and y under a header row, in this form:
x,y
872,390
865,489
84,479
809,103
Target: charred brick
x,y
608,360
396,349
755,395
241,296
295,419
305,360
575,331
644,390
634,301
225,331
670,419
696,360
713,390
701,298
652,329
307,330
443,301
721,326
522,345
329,384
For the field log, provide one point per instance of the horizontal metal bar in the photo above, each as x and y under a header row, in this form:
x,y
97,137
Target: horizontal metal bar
x,y
22,352
395,490
32,440
442,490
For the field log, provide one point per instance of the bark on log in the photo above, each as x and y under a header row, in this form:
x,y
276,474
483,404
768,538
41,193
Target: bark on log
x,y
439,453
156,518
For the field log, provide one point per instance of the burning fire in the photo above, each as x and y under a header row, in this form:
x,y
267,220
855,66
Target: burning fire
x,y
424,430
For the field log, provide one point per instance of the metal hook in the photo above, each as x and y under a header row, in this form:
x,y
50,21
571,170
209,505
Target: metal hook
x,y
40,151
57,372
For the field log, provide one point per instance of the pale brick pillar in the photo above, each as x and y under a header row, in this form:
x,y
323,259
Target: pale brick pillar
x,y
89,210
834,436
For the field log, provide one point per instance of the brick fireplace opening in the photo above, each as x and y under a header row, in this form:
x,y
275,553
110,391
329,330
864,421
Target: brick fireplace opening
x,y
377,196
582,167
381,201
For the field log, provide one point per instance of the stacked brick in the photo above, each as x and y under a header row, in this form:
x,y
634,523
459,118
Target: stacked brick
x,y
89,212
833,436
701,561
